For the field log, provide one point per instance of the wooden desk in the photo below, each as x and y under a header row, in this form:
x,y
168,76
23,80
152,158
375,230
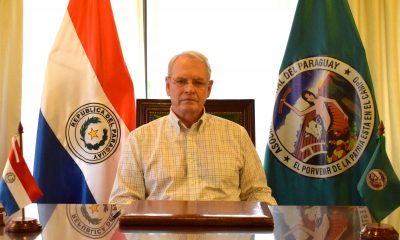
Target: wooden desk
x,y
76,221
200,214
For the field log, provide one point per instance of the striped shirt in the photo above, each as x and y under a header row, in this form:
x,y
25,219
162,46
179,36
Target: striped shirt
x,y
213,160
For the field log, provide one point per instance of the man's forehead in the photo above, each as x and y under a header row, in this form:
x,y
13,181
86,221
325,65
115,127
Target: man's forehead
x,y
184,59
190,67
183,77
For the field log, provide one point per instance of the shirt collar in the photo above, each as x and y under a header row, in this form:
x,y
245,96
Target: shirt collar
x,y
178,124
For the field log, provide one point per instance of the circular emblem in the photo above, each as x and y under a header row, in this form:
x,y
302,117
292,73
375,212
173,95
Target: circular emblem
x,y
10,177
376,179
92,220
93,132
323,117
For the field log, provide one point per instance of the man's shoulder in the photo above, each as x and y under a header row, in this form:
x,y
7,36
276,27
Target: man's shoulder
x,y
153,124
213,119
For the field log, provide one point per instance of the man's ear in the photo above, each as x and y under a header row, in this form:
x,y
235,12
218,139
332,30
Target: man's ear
x,y
167,86
210,84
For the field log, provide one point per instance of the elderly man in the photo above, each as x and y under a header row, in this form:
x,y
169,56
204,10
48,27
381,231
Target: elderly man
x,y
190,154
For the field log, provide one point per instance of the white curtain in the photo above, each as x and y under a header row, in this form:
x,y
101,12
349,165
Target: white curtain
x,y
10,73
378,23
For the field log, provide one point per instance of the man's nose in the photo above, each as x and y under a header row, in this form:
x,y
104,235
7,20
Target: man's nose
x,y
189,87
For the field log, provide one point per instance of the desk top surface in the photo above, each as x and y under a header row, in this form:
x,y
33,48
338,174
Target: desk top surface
x,y
102,221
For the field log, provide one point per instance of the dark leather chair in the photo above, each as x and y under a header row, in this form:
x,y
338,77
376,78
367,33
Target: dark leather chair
x,y
240,111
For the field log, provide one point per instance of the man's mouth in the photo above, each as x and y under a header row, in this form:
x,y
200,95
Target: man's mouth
x,y
188,100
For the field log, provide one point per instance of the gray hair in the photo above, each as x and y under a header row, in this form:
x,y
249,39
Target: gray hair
x,y
192,54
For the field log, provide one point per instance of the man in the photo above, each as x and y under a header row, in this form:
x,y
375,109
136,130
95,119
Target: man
x,y
189,154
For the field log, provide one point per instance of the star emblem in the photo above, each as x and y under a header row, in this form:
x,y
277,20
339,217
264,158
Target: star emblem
x,y
347,71
94,208
93,133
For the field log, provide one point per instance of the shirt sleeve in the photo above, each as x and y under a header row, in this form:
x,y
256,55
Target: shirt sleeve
x,y
129,182
253,183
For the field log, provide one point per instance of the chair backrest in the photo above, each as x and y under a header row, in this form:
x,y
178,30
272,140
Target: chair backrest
x,y
240,111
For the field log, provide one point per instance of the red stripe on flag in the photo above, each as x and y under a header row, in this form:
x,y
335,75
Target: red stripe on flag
x,y
23,173
95,27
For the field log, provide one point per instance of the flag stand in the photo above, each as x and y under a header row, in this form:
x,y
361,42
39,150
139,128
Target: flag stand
x,y
23,224
2,213
379,230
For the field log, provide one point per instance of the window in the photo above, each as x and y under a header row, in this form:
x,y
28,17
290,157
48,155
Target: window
x,y
244,41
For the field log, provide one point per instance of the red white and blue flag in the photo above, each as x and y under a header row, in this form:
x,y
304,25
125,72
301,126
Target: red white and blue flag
x,y
18,188
87,108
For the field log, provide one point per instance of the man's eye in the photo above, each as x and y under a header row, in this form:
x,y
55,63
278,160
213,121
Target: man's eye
x,y
199,83
180,81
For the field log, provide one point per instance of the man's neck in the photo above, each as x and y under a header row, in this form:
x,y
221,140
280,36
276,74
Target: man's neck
x,y
189,119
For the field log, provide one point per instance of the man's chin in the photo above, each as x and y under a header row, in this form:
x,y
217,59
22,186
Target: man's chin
x,y
190,108
188,104
188,101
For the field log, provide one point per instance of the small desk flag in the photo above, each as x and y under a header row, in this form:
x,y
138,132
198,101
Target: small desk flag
x,y
18,188
379,186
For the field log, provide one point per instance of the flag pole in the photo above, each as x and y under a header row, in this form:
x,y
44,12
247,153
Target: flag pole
x,y
20,131
23,224
381,131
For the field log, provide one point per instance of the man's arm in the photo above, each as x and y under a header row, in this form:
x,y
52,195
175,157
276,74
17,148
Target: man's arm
x,y
253,182
129,182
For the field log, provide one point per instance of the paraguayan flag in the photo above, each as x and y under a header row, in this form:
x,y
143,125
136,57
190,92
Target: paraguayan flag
x,y
87,108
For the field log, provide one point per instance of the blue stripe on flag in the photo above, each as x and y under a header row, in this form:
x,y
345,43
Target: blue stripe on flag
x,y
57,174
7,199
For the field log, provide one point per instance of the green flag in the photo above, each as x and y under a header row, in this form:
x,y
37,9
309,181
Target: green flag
x,y
379,185
325,112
